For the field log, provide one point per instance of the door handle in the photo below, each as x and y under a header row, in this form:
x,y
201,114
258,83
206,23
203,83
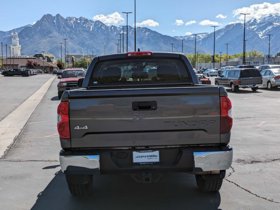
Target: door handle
x,y
144,105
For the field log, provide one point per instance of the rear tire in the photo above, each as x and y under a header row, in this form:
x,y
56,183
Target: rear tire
x,y
209,183
79,185
234,88
254,89
269,86
59,94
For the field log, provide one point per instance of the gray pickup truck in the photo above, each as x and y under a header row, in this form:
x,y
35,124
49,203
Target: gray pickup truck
x,y
144,113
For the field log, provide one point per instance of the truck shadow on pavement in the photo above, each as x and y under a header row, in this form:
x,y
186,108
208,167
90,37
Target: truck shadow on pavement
x,y
55,98
173,191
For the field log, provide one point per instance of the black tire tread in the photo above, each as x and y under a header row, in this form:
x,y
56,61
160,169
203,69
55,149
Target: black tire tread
x,y
210,184
80,188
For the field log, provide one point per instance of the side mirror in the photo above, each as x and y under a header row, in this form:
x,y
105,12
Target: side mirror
x,y
59,76
80,82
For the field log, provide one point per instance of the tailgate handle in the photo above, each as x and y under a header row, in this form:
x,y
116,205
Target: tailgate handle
x,y
144,105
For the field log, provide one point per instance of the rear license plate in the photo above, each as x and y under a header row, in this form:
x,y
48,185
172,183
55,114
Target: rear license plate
x,y
142,157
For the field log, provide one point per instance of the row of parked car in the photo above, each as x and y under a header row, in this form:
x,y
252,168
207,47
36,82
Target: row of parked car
x,y
21,72
244,76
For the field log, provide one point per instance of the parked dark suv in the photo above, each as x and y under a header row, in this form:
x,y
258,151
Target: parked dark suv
x,y
240,78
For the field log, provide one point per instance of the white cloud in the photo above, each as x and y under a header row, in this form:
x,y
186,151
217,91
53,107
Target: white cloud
x,y
188,33
179,22
258,11
191,22
148,23
221,16
208,23
111,19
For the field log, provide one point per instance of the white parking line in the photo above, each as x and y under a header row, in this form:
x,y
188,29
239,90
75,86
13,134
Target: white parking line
x,y
11,126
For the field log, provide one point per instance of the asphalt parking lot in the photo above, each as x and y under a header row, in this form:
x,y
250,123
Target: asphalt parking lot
x,y
30,176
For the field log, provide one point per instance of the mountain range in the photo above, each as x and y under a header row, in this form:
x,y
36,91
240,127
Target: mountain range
x,y
86,36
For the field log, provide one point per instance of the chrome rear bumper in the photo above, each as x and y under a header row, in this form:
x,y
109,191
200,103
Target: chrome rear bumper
x,y
205,161
213,160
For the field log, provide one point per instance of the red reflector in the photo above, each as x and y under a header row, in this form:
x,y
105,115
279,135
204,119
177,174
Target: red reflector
x,y
277,77
238,82
226,119
144,53
63,124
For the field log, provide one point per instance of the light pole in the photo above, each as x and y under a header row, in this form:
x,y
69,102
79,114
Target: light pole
x,y
269,42
227,44
123,39
135,27
244,38
220,59
6,54
2,56
214,47
61,49
182,45
195,49
65,52
120,43
126,13
172,47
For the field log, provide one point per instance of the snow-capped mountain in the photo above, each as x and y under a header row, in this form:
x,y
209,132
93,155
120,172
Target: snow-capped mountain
x,y
93,37
84,36
257,31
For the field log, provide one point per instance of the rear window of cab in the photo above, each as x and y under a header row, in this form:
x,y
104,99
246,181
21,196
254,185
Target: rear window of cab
x,y
140,71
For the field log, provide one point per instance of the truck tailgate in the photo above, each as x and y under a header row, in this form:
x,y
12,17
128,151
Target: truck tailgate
x,y
145,117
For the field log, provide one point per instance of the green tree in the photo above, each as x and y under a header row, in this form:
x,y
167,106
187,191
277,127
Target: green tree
x,y
60,64
83,63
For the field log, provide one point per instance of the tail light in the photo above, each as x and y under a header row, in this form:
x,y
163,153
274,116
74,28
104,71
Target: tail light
x,y
226,118
139,54
63,124
277,77
237,82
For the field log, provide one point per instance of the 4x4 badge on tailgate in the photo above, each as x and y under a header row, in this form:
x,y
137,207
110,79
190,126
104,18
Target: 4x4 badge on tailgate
x,y
81,127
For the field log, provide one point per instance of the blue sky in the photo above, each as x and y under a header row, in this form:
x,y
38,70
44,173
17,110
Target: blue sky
x,y
160,15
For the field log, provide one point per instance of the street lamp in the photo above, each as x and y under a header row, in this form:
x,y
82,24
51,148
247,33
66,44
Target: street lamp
x,y
61,48
244,38
6,45
123,39
65,52
195,48
172,47
220,59
126,13
135,27
269,42
214,47
227,44
2,55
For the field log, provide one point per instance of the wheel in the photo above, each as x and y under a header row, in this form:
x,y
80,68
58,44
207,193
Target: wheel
x,y
234,88
216,83
59,94
209,183
254,89
269,86
79,185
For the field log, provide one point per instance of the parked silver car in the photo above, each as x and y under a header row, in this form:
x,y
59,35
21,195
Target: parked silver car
x,y
268,66
210,73
270,78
